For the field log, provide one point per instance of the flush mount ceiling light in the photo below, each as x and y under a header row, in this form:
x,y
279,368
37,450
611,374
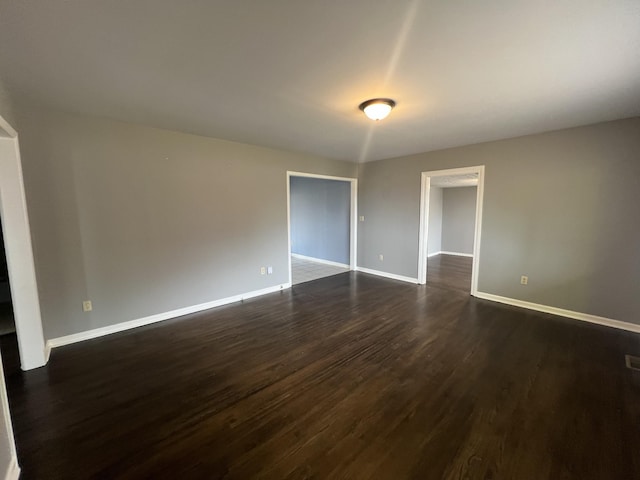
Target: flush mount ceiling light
x,y
377,108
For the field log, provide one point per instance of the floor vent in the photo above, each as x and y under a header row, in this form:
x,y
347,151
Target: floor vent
x,y
632,362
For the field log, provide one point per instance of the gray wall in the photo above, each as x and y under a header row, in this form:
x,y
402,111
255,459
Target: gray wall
x,y
320,217
434,240
6,106
560,207
144,221
458,219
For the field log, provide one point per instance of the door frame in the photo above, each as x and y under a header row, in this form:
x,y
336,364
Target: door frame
x,y
353,220
19,252
424,221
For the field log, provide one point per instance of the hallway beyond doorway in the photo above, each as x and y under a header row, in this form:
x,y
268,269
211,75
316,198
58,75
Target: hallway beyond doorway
x,y
305,270
450,271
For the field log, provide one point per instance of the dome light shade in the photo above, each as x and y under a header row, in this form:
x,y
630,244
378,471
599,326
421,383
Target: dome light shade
x,y
377,108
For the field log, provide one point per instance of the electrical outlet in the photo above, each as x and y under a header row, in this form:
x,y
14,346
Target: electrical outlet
x,y
263,270
524,280
86,306
269,270
362,218
381,257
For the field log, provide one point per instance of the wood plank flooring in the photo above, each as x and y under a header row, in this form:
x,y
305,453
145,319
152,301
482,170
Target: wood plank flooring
x,y
350,376
450,271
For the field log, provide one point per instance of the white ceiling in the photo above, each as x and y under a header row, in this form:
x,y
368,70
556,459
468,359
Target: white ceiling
x,y
290,73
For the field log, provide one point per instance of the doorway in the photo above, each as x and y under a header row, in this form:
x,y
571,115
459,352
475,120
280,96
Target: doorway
x,y
19,252
450,226
321,217
7,322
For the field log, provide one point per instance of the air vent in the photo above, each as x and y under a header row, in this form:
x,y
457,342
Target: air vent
x,y
632,362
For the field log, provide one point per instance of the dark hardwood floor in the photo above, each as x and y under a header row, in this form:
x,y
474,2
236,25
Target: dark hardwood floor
x,y
349,376
450,271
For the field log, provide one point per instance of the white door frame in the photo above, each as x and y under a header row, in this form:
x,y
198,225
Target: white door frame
x,y
19,251
353,221
424,220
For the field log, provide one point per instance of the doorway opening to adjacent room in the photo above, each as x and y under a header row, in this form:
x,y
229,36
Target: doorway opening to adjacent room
x,y
322,225
19,252
7,323
450,226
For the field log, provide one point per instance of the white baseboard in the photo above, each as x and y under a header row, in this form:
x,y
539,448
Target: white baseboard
x,y
387,275
458,254
585,317
119,327
13,470
321,260
450,253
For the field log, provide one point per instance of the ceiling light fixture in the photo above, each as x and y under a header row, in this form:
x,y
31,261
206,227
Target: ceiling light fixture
x,y
377,108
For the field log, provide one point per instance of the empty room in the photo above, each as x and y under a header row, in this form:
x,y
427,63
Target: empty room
x,y
328,240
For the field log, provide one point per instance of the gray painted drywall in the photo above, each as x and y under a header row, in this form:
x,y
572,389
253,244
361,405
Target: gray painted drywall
x,y
6,107
557,207
434,240
143,221
458,219
320,215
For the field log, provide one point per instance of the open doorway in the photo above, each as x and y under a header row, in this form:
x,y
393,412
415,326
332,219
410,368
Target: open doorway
x,y
450,226
321,226
7,322
19,252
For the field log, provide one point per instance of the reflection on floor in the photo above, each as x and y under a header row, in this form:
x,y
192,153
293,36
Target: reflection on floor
x,y
450,271
303,270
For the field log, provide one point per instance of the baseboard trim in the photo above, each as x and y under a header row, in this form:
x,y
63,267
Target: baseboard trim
x,y
321,260
585,317
457,254
13,470
450,253
120,327
392,276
